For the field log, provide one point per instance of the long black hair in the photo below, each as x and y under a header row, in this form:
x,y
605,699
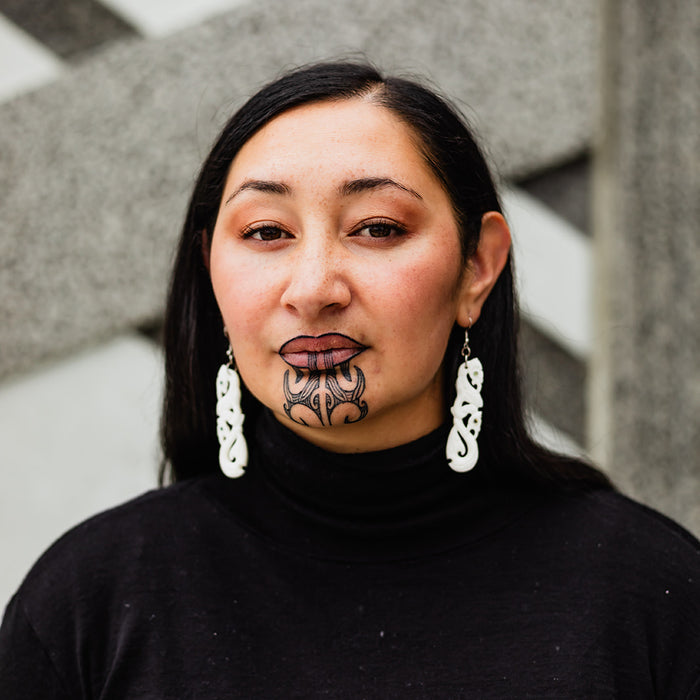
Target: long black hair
x,y
193,335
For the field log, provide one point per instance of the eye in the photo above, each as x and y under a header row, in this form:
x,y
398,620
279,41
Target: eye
x,y
265,232
379,229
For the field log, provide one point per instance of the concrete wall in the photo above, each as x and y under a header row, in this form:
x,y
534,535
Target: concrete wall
x,y
645,406
98,164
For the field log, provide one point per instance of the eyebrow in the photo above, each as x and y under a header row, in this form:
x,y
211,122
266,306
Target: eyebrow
x,y
363,184
269,186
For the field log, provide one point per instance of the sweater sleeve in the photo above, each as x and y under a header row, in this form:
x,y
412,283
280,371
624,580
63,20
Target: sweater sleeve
x,y
26,669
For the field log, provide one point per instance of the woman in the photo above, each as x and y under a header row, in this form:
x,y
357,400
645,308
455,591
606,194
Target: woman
x,y
383,526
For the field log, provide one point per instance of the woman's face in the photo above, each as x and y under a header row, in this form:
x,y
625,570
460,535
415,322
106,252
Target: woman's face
x,y
335,262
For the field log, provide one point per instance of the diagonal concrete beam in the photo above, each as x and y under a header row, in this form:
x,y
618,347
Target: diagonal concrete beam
x,y
97,167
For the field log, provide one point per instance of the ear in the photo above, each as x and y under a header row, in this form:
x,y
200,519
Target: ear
x,y
206,248
485,266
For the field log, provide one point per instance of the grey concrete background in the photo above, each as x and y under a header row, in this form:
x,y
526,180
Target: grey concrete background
x,y
76,437
97,166
645,407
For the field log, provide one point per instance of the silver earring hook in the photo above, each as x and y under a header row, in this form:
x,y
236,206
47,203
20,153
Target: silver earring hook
x,y
466,350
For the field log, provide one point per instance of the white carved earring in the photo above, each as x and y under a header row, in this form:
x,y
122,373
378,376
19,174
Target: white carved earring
x,y
233,451
462,449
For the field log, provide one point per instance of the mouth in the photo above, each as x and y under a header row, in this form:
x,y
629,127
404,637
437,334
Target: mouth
x,y
320,353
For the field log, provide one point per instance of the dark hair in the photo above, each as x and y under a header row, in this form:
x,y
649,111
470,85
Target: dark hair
x,y
194,342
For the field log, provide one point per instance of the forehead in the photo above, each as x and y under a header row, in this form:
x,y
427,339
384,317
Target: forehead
x,y
354,135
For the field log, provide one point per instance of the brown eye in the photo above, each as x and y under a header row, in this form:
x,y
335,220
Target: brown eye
x,y
266,233
380,229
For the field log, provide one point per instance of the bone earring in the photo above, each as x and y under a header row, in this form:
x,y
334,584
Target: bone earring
x,y
462,449
233,451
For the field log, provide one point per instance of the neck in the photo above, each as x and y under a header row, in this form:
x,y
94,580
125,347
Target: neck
x,y
380,431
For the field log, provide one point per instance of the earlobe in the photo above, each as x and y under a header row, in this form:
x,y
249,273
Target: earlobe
x,y
485,266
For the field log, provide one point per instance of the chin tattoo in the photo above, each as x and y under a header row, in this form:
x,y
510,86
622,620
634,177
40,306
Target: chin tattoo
x,y
328,397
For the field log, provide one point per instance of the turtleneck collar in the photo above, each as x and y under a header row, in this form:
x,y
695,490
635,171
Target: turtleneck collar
x,y
361,487
398,502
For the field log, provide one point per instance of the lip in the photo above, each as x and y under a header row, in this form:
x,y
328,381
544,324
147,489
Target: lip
x,y
321,352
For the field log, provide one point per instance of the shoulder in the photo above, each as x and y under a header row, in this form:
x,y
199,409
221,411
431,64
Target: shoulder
x,y
620,577
97,583
627,555
616,553
605,521
622,522
116,542
156,507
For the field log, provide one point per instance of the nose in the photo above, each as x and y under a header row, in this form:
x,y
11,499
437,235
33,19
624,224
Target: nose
x,y
318,281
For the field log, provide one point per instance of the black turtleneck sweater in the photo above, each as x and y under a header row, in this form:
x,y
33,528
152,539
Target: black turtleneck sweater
x,y
381,575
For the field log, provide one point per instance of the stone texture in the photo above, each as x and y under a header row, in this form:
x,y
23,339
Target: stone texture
x,y
645,403
97,167
566,190
67,27
554,383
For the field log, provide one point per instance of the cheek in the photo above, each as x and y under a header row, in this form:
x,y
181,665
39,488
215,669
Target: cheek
x,y
425,298
418,312
240,294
